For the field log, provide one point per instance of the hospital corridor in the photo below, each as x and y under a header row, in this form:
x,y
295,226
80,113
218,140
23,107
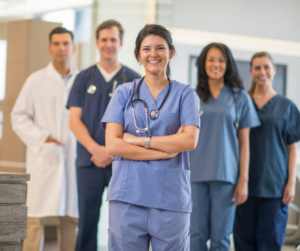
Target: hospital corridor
x,y
149,125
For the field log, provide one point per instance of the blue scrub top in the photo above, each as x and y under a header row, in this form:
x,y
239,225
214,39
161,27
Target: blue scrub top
x,y
216,157
162,184
280,126
94,105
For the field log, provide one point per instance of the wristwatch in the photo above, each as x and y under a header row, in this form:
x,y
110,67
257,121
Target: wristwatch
x,y
147,141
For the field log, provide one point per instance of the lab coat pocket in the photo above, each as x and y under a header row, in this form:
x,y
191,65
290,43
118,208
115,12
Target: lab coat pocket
x,y
177,189
48,156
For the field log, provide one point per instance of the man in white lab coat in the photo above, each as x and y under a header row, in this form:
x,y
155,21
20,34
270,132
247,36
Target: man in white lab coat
x,y
41,120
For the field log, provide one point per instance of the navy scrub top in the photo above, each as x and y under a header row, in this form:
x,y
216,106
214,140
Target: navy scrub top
x,y
165,183
280,126
94,105
216,157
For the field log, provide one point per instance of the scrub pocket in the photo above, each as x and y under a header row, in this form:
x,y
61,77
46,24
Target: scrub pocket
x,y
48,156
177,189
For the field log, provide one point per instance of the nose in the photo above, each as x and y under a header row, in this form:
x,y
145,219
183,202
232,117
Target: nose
x,y
262,71
61,47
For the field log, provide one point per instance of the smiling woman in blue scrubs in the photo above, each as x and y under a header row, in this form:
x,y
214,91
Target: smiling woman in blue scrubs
x,y
261,222
219,164
151,123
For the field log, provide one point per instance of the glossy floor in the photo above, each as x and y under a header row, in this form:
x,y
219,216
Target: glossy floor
x,y
52,246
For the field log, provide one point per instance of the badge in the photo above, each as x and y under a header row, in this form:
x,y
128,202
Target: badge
x,y
91,89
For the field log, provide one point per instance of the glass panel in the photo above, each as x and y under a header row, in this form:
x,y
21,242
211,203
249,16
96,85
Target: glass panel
x,y
3,50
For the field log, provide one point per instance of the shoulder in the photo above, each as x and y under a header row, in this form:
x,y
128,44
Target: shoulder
x,y
131,73
241,94
286,103
86,73
183,88
127,89
36,78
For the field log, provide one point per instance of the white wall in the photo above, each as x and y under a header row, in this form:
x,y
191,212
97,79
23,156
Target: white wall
x,y
263,18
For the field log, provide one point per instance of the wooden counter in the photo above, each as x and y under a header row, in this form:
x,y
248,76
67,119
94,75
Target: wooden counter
x,y
13,212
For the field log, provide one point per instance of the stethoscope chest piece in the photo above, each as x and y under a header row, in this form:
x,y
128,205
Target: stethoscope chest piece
x,y
92,89
153,114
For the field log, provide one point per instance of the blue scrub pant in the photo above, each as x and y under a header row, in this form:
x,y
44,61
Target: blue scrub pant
x,y
212,216
260,224
91,182
132,228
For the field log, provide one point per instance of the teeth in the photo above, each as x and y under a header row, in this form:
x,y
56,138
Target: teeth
x,y
153,62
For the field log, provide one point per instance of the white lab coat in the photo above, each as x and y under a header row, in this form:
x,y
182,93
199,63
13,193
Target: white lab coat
x,y
40,111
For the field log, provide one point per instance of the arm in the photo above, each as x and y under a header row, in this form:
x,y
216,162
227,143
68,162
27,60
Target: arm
x,y
289,191
22,119
241,190
115,145
99,156
180,142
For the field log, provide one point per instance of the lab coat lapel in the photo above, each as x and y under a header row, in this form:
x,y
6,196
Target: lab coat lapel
x,y
53,74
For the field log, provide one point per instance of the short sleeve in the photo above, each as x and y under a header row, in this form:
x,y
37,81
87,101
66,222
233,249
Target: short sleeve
x,y
190,108
292,132
248,115
115,110
76,95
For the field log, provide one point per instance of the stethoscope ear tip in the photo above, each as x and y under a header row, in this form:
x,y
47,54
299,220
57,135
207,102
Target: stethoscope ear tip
x,y
137,131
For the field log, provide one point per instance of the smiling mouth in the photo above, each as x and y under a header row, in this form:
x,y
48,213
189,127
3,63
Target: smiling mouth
x,y
262,78
153,61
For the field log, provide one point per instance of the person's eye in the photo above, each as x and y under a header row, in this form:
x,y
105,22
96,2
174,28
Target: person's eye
x,y
267,67
145,49
161,48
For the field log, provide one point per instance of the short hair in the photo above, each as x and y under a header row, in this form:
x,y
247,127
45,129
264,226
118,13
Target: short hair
x,y
109,24
60,30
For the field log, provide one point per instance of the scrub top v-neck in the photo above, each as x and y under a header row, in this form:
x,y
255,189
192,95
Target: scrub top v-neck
x,y
162,184
94,105
216,157
280,126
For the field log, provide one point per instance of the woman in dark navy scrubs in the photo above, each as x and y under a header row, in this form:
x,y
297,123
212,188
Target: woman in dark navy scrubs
x,y
260,222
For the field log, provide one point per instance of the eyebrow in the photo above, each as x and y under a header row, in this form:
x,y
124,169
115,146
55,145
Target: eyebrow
x,y
156,45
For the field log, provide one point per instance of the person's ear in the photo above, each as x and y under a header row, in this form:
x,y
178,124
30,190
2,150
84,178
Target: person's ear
x,y
49,50
172,54
74,49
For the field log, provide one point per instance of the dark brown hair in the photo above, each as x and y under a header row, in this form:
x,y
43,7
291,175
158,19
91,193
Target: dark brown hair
x,y
108,25
231,77
258,55
154,29
60,30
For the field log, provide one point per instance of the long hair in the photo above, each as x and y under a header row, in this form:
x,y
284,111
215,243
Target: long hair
x,y
257,55
231,77
154,29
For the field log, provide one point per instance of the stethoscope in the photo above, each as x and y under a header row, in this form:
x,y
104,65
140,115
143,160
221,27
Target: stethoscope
x,y
153,113
236,123
92,88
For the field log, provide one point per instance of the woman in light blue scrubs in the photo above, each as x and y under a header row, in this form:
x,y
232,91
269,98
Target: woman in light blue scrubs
x,y
151,123
260,222
219,164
